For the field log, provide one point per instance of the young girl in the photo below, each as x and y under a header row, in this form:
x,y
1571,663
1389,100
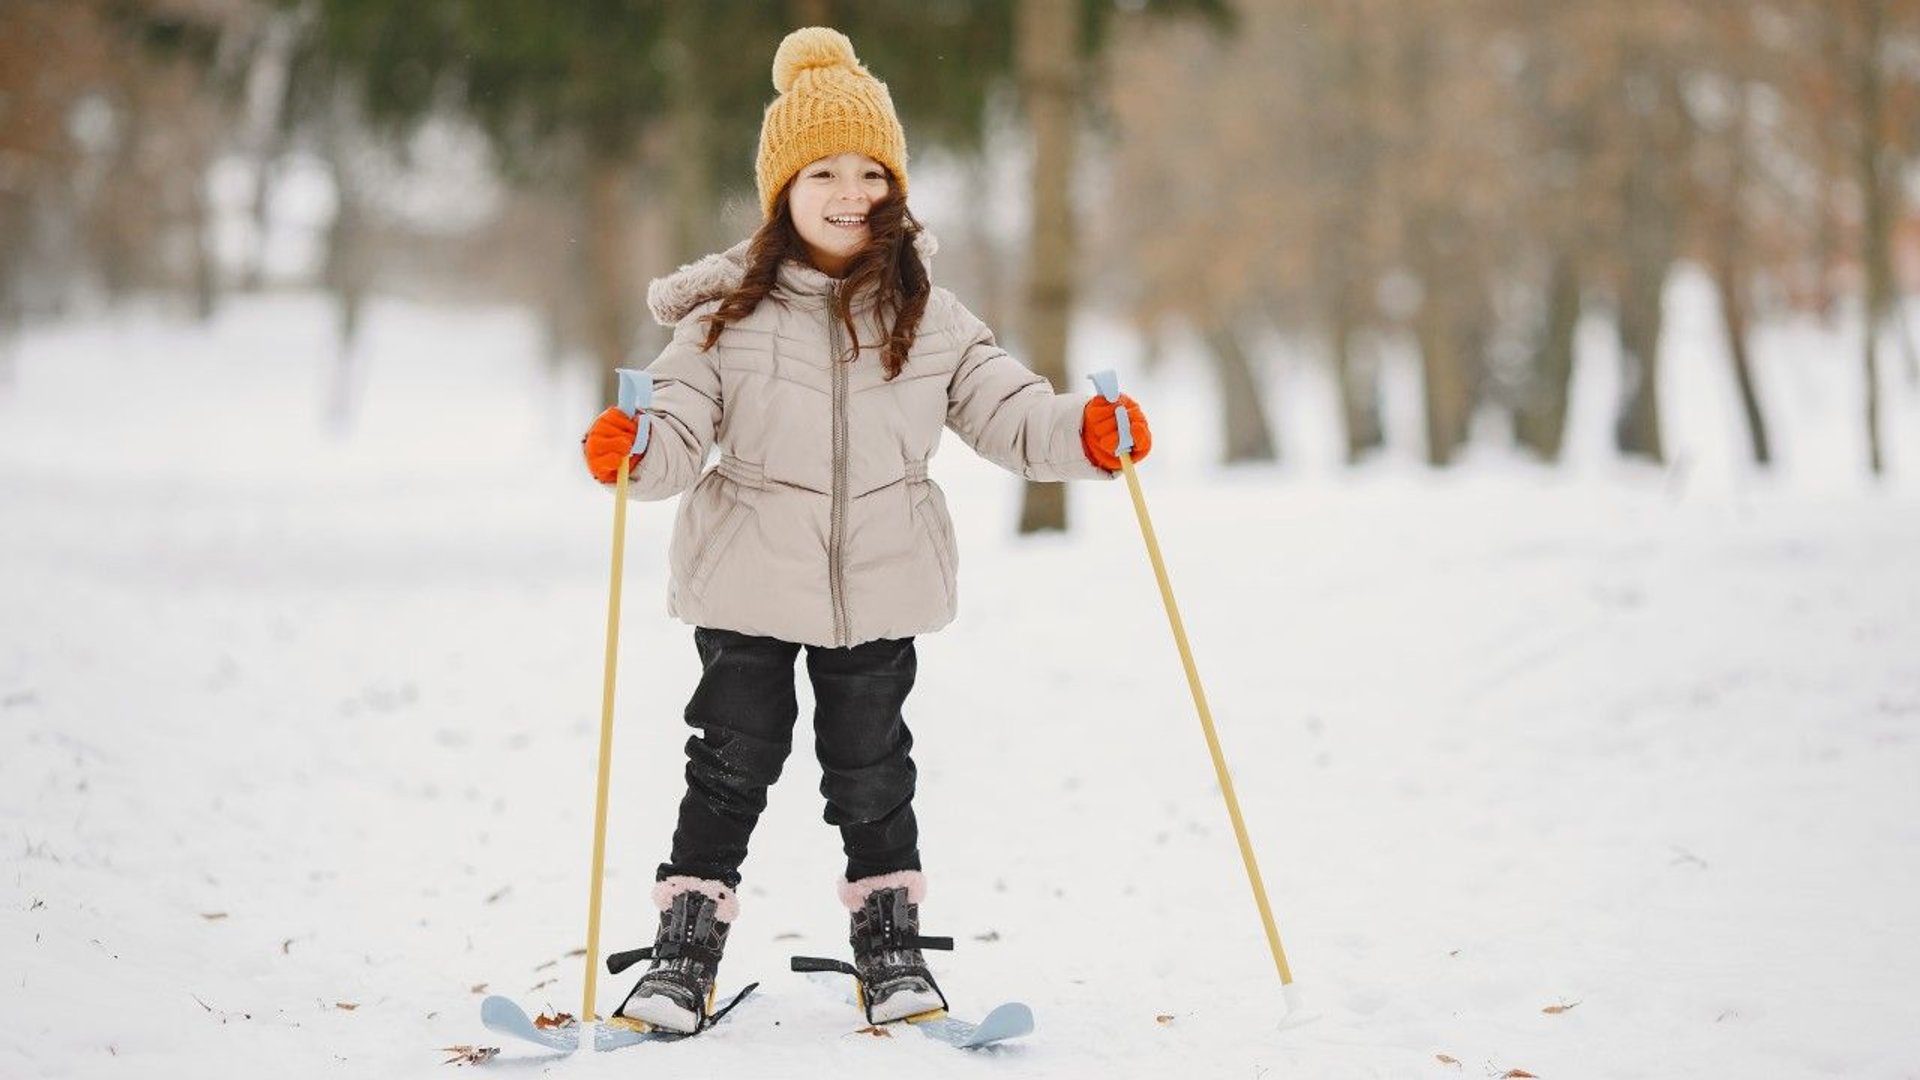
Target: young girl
x,y
822,362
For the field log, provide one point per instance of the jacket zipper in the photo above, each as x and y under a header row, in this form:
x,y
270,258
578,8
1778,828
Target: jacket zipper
x,y
836,538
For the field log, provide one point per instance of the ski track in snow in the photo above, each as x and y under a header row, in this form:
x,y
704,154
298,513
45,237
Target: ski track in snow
x,y
291,722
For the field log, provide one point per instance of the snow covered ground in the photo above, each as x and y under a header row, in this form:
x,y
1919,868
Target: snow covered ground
x,y
297,735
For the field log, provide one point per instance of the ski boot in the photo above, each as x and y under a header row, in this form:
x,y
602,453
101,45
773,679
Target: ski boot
x,y
676,993
894,981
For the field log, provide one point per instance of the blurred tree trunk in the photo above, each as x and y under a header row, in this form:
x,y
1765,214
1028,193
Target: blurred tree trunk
x,y
11,318
1878,192
1540,420
1358,378
346,275
1650,235
1636,430
253,275
166,135
654,235
13,255
1248,435
1908,349
1731,286
270,80
124,202
1563,112
1831,168
1729,275
690,187
988,284
1449,325
205,268
1048,50
348,269
609,248
553,336
1342,236
1451,330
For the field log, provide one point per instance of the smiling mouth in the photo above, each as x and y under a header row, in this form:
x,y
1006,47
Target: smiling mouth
x,y
851,221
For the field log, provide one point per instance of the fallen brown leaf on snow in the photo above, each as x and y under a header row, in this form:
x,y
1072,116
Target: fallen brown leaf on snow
x,y
876,1032
477,988
1518,1074
1163,1018
1556,1010
578,952
468,1055
557,1020
1445,1060
213,916
349,1006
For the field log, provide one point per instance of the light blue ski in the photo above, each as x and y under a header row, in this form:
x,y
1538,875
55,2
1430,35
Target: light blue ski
x,y
1008,1021
505,1016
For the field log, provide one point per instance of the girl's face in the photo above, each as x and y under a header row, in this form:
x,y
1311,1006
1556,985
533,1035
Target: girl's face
x,y
829,202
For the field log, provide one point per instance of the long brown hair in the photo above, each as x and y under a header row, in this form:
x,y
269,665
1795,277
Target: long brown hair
x,y
888,266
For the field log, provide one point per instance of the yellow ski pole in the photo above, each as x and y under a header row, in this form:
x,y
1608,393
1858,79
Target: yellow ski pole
x,y
1108,384
636,393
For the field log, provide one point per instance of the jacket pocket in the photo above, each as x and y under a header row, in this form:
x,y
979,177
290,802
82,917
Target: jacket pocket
x,y
706,556
932,512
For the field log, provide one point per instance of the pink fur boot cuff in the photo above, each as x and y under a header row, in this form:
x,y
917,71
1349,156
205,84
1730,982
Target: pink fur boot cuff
x,y
724,899
854,894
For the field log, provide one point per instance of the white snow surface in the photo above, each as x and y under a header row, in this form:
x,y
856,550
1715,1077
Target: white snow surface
x,y
293,720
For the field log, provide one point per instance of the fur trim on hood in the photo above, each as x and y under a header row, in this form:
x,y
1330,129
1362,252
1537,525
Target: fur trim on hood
x,y
673,297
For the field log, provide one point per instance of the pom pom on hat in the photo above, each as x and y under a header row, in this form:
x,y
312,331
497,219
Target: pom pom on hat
x,y
811,47
829,104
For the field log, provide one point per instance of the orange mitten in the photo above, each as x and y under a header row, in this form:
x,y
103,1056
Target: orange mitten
x,y
1100,432
607,442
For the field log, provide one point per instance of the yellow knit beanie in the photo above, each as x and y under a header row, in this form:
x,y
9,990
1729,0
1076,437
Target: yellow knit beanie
x,y
828,105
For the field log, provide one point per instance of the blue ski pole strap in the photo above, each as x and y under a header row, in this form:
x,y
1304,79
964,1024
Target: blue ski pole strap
x,y
636,393
1108,386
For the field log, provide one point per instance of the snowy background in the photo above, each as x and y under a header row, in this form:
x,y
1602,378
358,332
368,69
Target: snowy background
x,y
297,732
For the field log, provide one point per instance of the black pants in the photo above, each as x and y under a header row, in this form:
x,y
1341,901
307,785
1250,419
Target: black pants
x,y
745,709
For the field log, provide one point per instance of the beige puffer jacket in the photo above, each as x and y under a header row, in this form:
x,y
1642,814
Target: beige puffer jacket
x,y
818,524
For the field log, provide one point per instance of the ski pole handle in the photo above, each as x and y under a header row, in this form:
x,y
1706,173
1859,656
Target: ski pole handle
x,y
636,393
1108,385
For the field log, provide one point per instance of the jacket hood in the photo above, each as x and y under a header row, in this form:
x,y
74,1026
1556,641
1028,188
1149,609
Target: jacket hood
x,y
673,297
